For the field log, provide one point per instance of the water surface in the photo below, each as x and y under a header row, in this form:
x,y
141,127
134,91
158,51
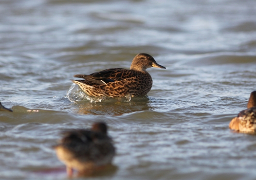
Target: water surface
x,y
180,131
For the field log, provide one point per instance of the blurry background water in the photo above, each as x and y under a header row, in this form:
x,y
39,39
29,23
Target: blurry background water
x,y
179,132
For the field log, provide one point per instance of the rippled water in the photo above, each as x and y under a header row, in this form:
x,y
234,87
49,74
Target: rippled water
x,y
180,131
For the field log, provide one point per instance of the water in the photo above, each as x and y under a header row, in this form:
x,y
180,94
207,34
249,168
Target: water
x,y
180,131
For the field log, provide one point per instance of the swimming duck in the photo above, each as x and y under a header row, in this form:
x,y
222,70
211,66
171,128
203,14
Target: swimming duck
x,y
246,120
86,150
119,82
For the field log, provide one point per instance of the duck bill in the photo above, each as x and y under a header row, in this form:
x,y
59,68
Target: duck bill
x,y
158,66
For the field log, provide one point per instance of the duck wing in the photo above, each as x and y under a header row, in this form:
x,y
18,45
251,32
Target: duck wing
x,y
108,75
88,79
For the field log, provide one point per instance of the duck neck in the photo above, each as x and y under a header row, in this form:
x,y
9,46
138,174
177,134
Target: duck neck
x,y
137,68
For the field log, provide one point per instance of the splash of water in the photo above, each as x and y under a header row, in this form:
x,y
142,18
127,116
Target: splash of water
x,y
75,94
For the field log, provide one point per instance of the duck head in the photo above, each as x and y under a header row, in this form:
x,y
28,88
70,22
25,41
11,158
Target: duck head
x,y
100,127
252,100
143,61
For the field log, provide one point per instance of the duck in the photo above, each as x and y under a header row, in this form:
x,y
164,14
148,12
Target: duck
x,y
245,122
86,151
120,82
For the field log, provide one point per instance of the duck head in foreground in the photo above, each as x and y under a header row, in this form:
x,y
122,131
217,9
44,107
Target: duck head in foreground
x,y
245,121
88,151
119,82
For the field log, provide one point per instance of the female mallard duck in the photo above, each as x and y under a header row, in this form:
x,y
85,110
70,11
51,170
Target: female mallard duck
x,y
246,120
118,82
86,151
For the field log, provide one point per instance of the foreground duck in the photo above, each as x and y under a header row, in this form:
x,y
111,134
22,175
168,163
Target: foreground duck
x,y
119,82
245,121
86,151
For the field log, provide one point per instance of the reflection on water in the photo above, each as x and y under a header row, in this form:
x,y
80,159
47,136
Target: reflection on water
x,y
116,108
179,132
59,173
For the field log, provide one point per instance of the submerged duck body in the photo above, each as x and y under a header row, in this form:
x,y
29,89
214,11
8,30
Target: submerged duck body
x,y
245,121
119,82
85,150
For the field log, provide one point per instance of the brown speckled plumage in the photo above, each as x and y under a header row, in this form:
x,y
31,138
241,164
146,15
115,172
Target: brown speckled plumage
x,y
246,120
85,149
118,82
